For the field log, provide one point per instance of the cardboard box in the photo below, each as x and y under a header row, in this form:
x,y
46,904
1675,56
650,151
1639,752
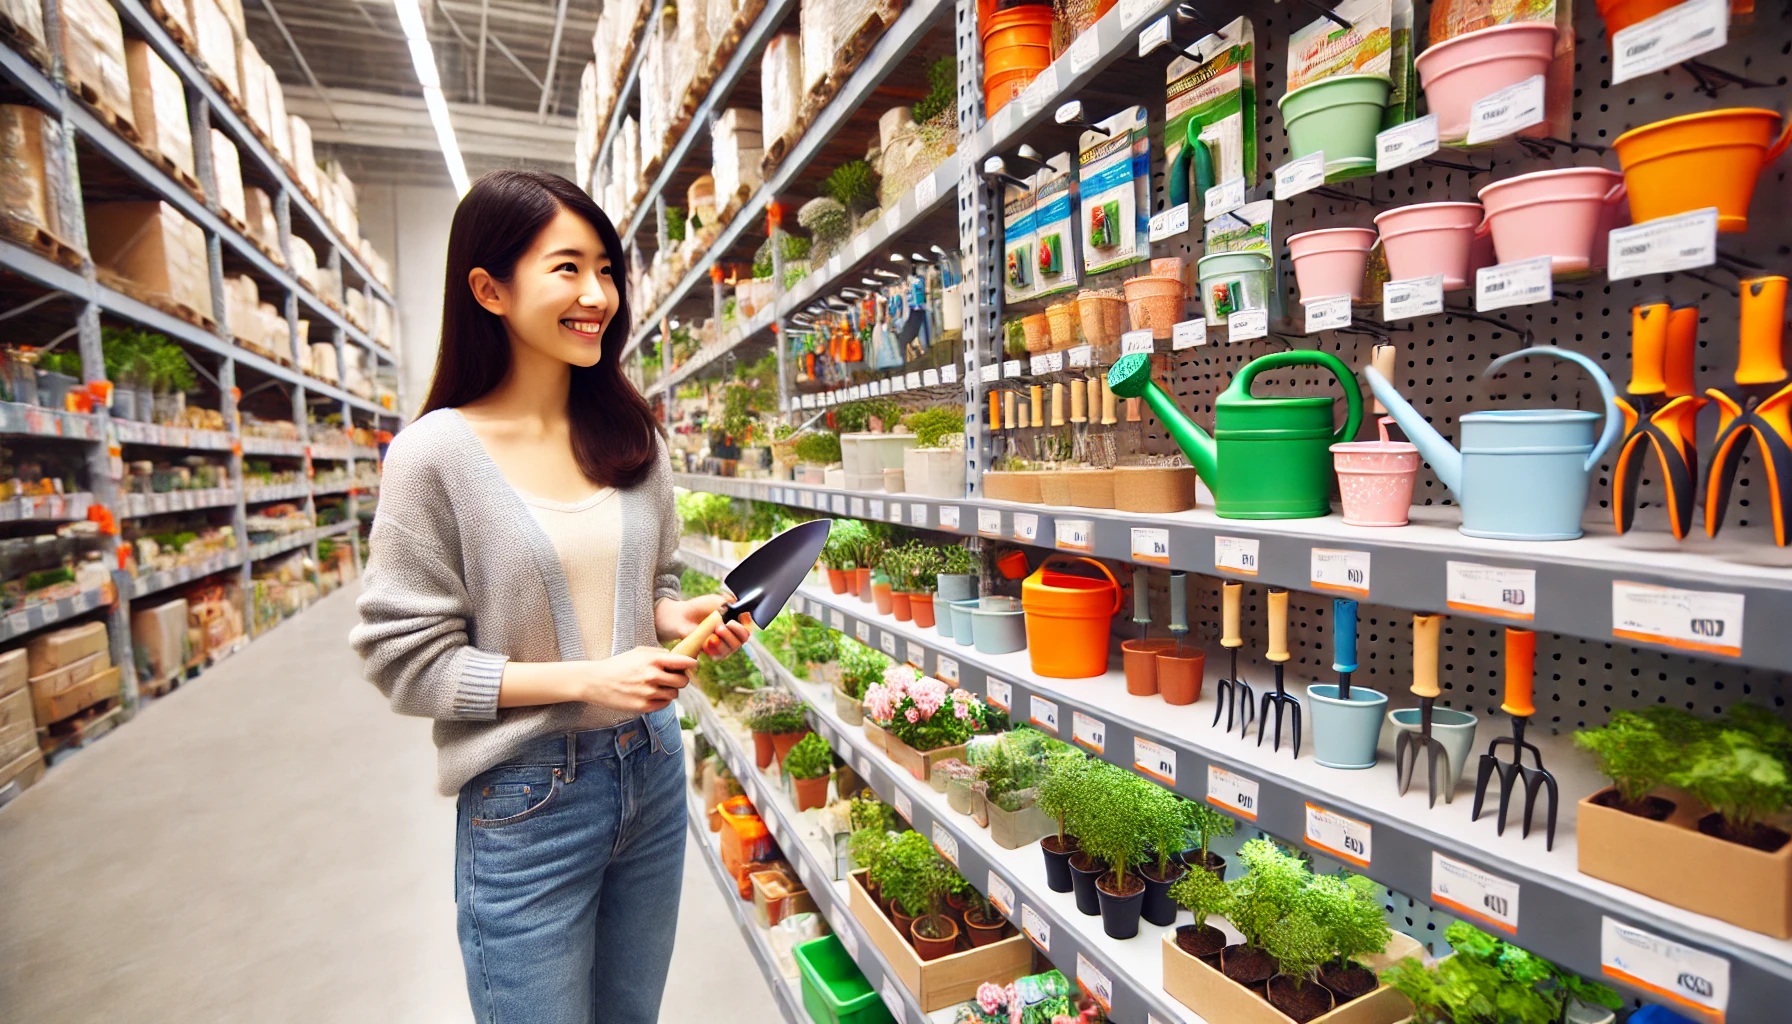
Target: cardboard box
x,y
33,172
216,40
59,680
77,698
93,52
242,314
919,763
15,710
1216,997
159,636
252,72
279,122
258,212
152,246
15,671
66,646
1685,867
19,738
160,102
25,20
304,260
939,983
227,173
304,158
26,770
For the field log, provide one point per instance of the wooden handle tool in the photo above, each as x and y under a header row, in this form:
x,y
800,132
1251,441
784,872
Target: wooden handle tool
x,y
1278,625
1425,632
1231,592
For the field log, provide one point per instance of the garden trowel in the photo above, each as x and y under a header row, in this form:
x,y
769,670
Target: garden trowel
x,y
764,581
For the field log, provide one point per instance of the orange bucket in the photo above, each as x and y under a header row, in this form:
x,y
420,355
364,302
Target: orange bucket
x,y
745,839
1017,45
1710,159
1006,86
1031,57
1068,619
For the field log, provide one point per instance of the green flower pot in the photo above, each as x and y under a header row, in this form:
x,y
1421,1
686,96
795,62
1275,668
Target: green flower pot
x,y
1339,116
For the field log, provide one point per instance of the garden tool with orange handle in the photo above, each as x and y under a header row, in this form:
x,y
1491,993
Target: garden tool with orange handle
x,y
1760,404
1521,662
1425,632
1279,698
1661,412
1232,638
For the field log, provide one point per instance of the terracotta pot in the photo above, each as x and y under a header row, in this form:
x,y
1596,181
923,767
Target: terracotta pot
x,y
1061,316
921,605
811,793
783,741
881,595
1154,303
902,921
933,948
763,751
1038,332
1179,677
983,932
860,584
1140,657
902,606
837,580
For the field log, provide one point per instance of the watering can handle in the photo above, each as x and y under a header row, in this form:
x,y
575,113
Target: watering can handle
x,y
1779,144
1353,393
1614,420
1119,597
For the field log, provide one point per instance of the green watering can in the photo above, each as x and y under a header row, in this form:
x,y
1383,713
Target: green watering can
x,y
1272,457
1193,166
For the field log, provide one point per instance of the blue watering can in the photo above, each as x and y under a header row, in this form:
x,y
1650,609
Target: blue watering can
x,y
1522,474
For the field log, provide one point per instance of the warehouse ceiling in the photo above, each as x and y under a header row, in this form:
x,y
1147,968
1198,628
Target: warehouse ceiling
x,y
348,72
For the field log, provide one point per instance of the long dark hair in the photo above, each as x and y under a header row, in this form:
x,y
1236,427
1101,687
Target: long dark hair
x,y
613,427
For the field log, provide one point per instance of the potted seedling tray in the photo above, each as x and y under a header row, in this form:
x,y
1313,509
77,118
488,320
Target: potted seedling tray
x,y
949,979
919,763
1216,997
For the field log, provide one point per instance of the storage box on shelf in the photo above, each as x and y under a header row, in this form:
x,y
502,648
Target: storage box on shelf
x,y
94,61
151,252
35,198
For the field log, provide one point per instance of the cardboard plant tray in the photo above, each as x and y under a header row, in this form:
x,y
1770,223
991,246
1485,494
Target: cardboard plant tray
x,y
1685,867
945,981
1216,997
919,763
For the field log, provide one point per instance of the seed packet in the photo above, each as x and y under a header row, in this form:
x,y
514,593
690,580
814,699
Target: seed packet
x,y
1054,263
1323,49
1403,101
1246,229
1210,135
1114,178
1017,243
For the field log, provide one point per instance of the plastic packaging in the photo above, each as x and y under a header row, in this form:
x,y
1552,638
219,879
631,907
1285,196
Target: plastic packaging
x,y
93,53
33,174
1210,136
1018,278
781,84
1114,177
1053,196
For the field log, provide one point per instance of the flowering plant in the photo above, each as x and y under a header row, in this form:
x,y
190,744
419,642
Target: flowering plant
x,y
923,712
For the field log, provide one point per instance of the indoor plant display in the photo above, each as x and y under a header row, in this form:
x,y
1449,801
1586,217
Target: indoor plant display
x,y
818,448
809,763
1165,830
1206,824
817,648
918,886
1113,828
956,577
935,467
898,568
860,667
846,545
1010,768
776,720
1059,789
1349,908
928,721
1261,897
1490,981
914,575
1203,894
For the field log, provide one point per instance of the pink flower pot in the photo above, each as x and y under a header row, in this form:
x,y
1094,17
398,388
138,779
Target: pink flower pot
x,y
1331,261
1375,479
1430,238
1555,213
1458,73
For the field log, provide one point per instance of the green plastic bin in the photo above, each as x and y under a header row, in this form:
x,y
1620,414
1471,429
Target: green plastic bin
x,y
834,992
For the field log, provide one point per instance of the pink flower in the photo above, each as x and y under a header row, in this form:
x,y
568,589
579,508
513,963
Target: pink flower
x,y
960,711
879,702
991,997
913,716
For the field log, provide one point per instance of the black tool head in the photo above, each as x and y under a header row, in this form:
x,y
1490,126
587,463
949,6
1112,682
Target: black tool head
x,y
766,579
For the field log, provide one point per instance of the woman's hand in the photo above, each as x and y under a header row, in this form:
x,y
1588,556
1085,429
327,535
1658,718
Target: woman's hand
x,y
675,620
638,681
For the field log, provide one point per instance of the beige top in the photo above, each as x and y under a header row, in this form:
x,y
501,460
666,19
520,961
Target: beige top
x,y
587,536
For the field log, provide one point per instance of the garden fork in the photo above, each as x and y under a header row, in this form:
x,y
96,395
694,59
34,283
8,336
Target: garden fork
x,y
1521,659
1425,630
1233,685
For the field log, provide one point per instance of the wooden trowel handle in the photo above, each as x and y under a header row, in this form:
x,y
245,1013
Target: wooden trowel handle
x,y
691,645
1425,631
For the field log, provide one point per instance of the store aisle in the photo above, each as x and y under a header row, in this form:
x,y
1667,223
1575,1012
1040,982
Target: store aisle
x,y
266,845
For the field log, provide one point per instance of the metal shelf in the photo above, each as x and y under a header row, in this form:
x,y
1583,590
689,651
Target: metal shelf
x,y
253,445
23,621
136,432
17,418
261,495
156,582
45,508
137,506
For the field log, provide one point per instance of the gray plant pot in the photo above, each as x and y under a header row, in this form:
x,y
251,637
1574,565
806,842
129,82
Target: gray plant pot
x,y
1345,732
1454,729
998,626
962,628
124,403
53,387
955,586
146,406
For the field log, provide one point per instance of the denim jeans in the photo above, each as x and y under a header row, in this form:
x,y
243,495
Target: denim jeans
x,y
568,862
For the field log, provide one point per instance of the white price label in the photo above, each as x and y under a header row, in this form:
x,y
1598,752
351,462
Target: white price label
x,y
947,669
849,937
1043,713
839,503
1404,143
1037,364
1344,838
1468,890
52,611
1188,334
1327,314
948,374
1663,245
1026,526
1341,571
945,842
865,766
1133,10
863,631
1247,325
1691,620
1691,978
1082,357
1233,792
858,508
892,218
1223,198
930,378
838,620
948,518
1677,34
1011,369
1512,109
861,246
1169,223
887,641
917,515
808,500
1154,759
911,379
1040,91
989,373
1303,175
1514,284
877,508
1491,590
999,693
904,806
1094,982
81,602
1054,362
1084,51
895,511
1075,534
1001,894
892,998
917,655
1236,554
1414,296
989,521
1155,34
896,384
1036,928
926,191
1136,341
1151,544
1088,731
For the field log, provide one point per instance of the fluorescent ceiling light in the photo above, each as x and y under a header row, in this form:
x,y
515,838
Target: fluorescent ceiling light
x,y
423,59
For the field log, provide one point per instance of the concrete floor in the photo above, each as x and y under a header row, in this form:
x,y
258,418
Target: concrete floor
x,y
265,845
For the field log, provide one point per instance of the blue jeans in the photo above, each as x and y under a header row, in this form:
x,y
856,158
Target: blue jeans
x,y
568,862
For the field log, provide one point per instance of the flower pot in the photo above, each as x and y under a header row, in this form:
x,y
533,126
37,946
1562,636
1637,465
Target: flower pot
x,y
895,480
1057,861
883,598
1090,488
1061,316
1203,942
1054,489
903,922
860,585
1179,675
1013,830
1551,213
1159,908
1154,303
1339,116
1458,73
783,741
763,750
939,937
837,580
1218,994
53,389
1231,281
1331,261
1687,163
1154,488
964,631
956,586
921,606
1068,617
919,763
146,405
124,403
1083,873
958,793
1454,729
1300,1002
1102,313
1345,732
1350,982
877,735
998,626
1214,864
848,707
1140,660
1120,906
1375,479
811,793
1013,565
1430,238
1022,486
1038,332
980,804
901,605
983,932
934,472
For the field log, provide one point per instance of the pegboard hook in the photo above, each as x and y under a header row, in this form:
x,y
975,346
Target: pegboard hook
x,y
1070,115
1346,197
1468,314
995,167
1702,73
1548,144
1327,13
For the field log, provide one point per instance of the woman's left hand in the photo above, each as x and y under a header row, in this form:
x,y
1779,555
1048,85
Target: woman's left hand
x,y
674,620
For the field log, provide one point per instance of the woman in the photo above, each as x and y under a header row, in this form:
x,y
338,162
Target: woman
x,y
522,579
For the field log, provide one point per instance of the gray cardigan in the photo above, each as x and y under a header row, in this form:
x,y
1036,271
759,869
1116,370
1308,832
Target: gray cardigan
x,y
461,580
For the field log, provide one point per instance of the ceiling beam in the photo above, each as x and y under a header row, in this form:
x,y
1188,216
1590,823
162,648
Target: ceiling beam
x,y
497,44
304,67
485,11
541,110
373,120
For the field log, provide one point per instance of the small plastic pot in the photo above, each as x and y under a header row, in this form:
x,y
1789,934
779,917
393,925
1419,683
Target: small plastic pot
x,y
921,606
1375,479
964,631
1103,315
1179,676
1339,116
883,597
1458,73
861,584
983,933
1140,659
1057,864
1038,331
956,586
1013,565
1231,281
783,741
1430,238
1119,914
1345,732
1159,908
901,606
811,793
1082,883
998,626
1331,261
837,580
1555,213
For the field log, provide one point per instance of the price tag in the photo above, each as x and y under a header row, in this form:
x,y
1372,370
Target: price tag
x,y
1037,364
839,502
1083,52
1236,554
948,518
865,766
1404,143
848,938
1026,526
1344,838
1491,590
1075,534
912,379
1001,894
863,631
917,655
837,620
1232,791
1692,978
81,602
904,806
926,191
1054,362
1327,314
1094,982
1151,544
1691,620
1677,34
52,611
1154,759
896,384
1188,334
1469,890
947,669
999,693
930,378
1514,284
917,515
1040,91
1341,571
948,375
18,621
1169,223
858,508
1011,369
1136,341
877,508
1153,35
1414,296
861,246
1133,10
1044,714
1088,732
892,998
1301,175
1036,929
895,511
989,373
989,521
1247,325
887,642
1663,245
945,842
1223,198
1506,112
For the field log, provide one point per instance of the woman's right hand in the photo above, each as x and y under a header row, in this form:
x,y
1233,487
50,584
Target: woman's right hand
x,y
638,681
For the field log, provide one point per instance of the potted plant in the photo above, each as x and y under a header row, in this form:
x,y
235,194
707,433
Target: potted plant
x,y
906,864
914,575
924,881
1059,790
817,648
775,717
809,763
1009,774
1165,831
817,451
935,467
1112,828
1207,824
860,668
1636,750
1489,981
928,721
173,377
1349,907
896,567
868,844
1264,895
846,540
956,575
1205,895
1298,944
984,923
58,373
869,552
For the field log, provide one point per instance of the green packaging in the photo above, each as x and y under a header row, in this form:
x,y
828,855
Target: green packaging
x,y
1114,177
1017,243
1210,134
1054,195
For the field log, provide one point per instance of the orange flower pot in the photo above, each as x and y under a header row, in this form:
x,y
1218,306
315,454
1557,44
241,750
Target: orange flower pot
x,y
1699,160
1140,659
921,605
783,741
882,597
858,583
901,606
763,750
1179,676
837,580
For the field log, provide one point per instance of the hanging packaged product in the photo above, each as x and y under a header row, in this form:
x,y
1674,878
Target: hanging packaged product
x,y
1017,242
1345,85
1114,179
1210,135
1479,68
1237,272
1054,264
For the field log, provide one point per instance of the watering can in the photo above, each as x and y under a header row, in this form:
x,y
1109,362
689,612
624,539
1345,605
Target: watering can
x,y
1522,474
1268,458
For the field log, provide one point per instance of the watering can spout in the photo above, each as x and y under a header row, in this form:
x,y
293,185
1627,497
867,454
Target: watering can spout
x,y
1442,456
1131,378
